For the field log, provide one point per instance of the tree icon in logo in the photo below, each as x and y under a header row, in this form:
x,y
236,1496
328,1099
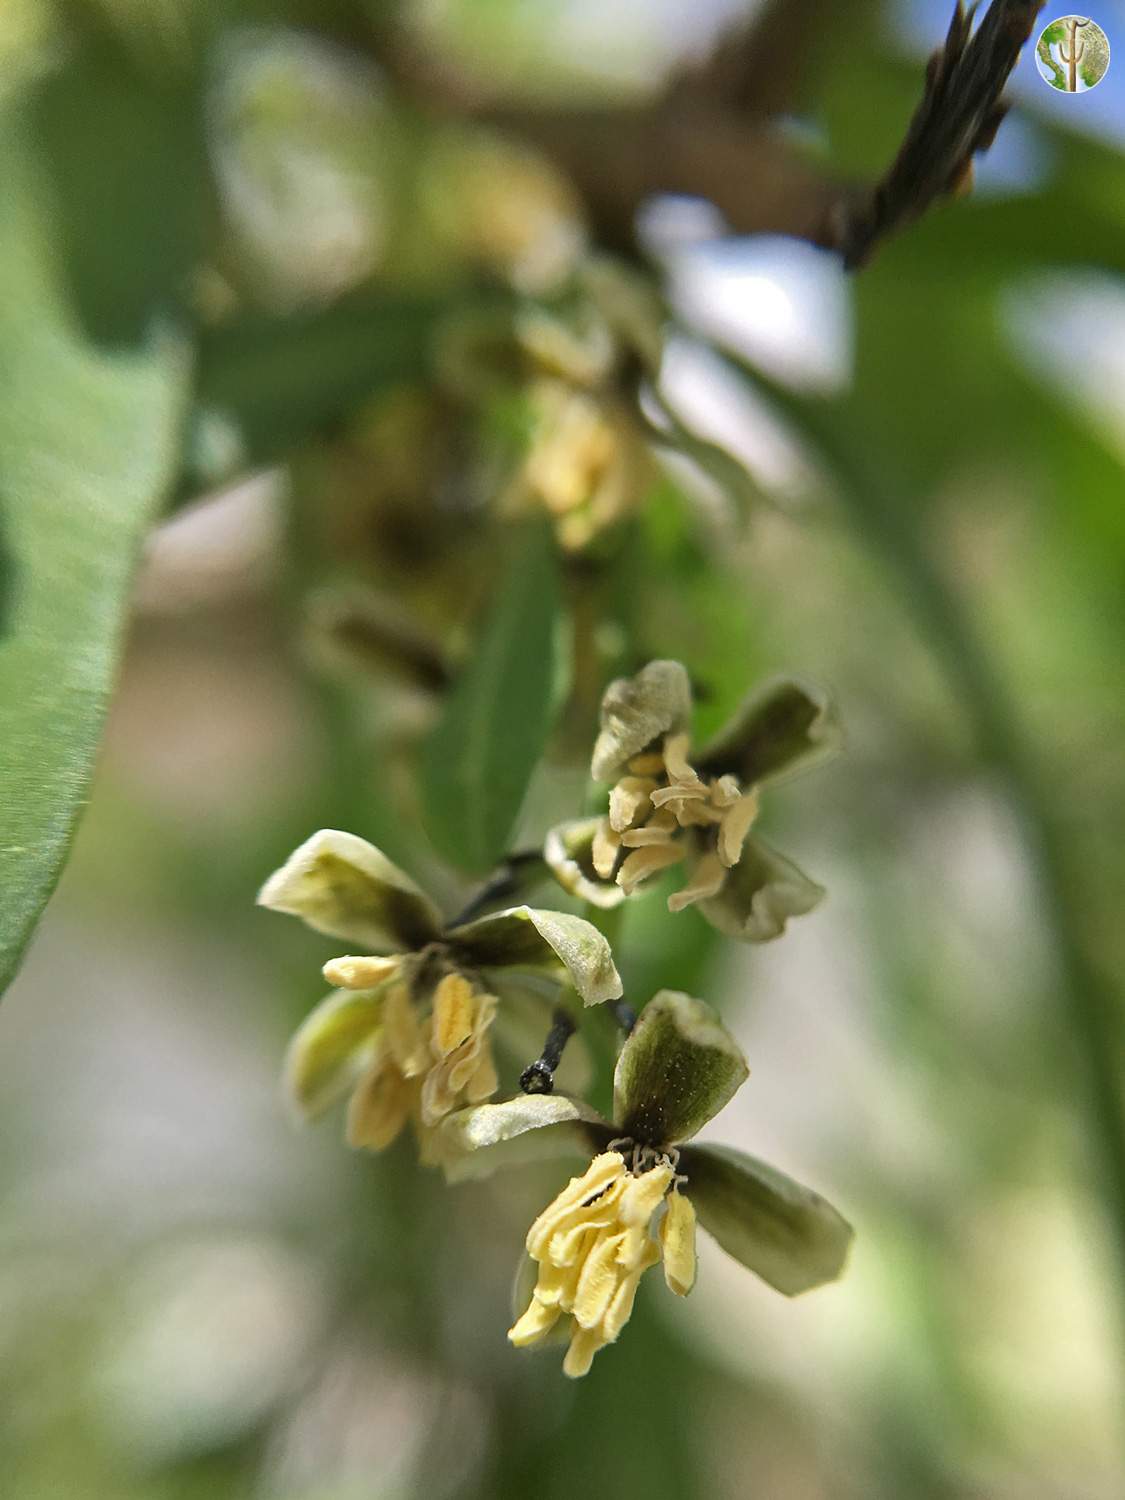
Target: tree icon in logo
x,y
1072,54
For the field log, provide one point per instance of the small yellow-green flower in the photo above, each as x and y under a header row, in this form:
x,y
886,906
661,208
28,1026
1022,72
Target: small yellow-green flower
x,y
636,1204
587,464
668,807
406,1033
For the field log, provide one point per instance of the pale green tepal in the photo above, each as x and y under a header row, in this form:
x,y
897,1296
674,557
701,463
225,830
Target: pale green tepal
x,y
407,1031
665,809
636,1204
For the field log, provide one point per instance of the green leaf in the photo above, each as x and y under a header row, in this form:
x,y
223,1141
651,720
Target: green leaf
x,y
788,1235
265,382
678,1068
479,759
88,444
122,148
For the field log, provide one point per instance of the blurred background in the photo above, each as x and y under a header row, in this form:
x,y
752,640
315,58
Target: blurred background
x,y
198,1298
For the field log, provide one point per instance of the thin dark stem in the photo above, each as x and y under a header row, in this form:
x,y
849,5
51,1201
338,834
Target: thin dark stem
x,y
507,880
625,1016
539,1077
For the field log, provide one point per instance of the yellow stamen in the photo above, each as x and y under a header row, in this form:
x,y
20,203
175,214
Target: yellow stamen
x,y
405,1040
643,1195
628,800
535,1324
677,793
706,880
360,973
454,1011
642,863
735,826
648,763
484,1082
620,1309
604,849
726,791
676,763
700,813
598,1282
580,1356
677,1244
458,1011
380,1106
602,1171
593,1244
659,829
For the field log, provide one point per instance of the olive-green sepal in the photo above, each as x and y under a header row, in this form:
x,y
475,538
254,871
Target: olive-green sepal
x,y
786,1233
676,1071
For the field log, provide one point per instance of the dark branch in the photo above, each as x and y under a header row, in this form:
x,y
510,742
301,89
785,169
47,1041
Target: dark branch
x,y
707,136
754,70
363,631
959,115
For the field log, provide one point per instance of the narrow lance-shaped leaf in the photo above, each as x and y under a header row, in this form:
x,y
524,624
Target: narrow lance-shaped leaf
x,y
121,143
479,759
269,380
88,443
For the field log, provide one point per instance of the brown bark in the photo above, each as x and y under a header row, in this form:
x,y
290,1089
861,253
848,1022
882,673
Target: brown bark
x,y
706,136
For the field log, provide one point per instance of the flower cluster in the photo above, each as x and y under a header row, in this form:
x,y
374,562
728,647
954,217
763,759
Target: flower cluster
x,y
638,1202
666,809
407,1033
586,463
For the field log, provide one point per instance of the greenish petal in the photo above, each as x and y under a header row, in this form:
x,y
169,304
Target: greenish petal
x,y
525,937
788,1235
760,894
331,1048
636,711
677,1069
783,727
531,1127
567,851
344,886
